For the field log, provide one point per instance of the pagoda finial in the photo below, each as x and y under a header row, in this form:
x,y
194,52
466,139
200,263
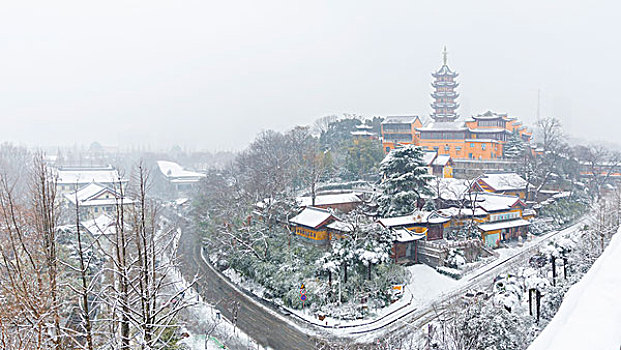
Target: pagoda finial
x,y
444,54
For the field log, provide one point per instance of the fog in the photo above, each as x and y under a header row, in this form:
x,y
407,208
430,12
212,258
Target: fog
x,y
211,74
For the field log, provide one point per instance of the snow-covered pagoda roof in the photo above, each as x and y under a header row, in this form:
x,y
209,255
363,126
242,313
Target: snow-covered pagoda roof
x,y
444,71
312,217
85,175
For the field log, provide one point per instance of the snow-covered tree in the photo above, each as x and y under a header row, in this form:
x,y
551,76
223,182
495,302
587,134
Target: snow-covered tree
x,y
405,179
515,146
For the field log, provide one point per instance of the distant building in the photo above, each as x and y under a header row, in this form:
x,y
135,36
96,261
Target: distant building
x,y
400,130
179,179
364,131
481,137
95,199
70,179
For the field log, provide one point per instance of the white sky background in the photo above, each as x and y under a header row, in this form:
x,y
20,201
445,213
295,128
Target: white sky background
x,y
211,74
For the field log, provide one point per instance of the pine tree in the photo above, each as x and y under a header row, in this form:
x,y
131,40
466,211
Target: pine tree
x,y
515,146
405,180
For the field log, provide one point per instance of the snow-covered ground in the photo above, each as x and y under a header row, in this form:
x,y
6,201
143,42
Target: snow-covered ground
x,y
427,286
590,315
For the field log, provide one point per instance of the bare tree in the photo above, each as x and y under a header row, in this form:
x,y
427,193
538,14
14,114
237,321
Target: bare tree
x,y
46,219
599,164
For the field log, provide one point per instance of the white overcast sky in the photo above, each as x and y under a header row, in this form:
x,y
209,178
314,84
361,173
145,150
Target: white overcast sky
x,y
211,74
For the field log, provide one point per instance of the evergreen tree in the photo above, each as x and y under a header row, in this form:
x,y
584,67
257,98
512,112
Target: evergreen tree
x,y
515,146
405,179
429,205
363,155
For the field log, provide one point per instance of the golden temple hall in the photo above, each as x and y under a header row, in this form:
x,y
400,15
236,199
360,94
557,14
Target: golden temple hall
x,y
480,137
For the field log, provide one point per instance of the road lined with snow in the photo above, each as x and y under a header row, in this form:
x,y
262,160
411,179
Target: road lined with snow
x,y
264,325
268,325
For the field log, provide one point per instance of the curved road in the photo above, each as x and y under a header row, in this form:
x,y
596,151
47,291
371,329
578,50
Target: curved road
x,y
270,329
264,327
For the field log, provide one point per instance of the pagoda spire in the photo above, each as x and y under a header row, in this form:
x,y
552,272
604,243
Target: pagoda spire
x,y
445,54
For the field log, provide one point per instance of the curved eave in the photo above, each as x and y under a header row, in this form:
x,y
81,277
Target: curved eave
x,y
452,84
435,105
440,94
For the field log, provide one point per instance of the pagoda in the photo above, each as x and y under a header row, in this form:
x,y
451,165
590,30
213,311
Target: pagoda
x,y
444,96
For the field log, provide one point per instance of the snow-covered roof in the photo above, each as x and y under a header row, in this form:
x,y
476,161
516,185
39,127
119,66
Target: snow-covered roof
x,y
364,127
490,115
442,160
457,125
362,133
529,212
503,225
494,202
340,226
103,224
461,212
429,156
590,314
419,217
403,236
400,119
312,217
504,181
85,175
175,171
95,194
329,199
489,130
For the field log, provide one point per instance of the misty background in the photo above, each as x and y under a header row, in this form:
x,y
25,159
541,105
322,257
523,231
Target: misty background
x,y
211,74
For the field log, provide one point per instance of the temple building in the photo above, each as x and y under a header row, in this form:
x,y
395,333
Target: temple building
x,y
480,137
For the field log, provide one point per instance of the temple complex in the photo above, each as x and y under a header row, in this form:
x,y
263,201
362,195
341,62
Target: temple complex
x,y
480,137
